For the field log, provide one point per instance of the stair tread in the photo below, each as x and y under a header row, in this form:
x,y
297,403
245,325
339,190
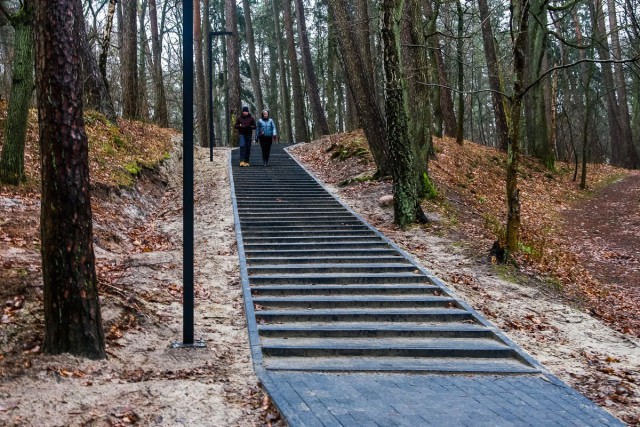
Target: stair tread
x,y
404,364
356,298
373,326
364,343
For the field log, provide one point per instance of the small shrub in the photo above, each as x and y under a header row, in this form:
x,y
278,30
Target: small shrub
x,y
133,168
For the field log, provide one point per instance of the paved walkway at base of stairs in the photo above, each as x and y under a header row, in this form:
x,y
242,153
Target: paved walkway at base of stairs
x,y
346,329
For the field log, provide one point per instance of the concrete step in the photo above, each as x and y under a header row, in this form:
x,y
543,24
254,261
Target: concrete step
x,y
347,244
258,252
313,238
353,301
467,365
332,268
365,315
289,211
318,222
253,234
338,278
375,330
303,228
327,259
305,216
386,347
330,290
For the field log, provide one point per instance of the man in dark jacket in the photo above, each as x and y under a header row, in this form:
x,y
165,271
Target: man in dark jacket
x,y
245,123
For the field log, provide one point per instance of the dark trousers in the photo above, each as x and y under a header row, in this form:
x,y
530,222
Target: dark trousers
x,y
245,147
265,144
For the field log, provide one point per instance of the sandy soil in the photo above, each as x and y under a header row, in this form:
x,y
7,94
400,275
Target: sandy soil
x,y
598,361
145,381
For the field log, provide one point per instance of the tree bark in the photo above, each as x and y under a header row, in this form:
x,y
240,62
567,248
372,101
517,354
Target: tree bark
x,y
72,314
405,196
22,85
313,93
361,87
495,77
284,88
519,25
161,114
536,107
233,63
299,120
460,55
253,64
106,41
97,97
420,120
431,16
630,152
202,128
129,59
623,152
143,47
331,81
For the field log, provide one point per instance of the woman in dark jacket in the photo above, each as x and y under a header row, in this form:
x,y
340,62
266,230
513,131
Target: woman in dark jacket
x,y
265,134
245,123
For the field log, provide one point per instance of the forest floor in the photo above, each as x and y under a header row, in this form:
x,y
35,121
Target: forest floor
x,y
137,240
558,304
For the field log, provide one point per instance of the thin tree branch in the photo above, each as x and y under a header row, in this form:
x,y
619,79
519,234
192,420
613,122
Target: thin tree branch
x,y
573,64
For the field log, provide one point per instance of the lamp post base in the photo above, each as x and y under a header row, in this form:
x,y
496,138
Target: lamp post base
x,y
195,344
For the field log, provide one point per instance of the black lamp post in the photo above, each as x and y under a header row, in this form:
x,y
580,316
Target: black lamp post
x,y
212,136
187,181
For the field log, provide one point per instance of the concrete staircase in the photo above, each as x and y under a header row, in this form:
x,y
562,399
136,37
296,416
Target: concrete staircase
x,y
330,293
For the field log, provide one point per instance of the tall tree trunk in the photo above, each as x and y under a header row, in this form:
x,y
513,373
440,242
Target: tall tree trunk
x,y
431,15
97,97
402,159
417,60
201,95
446,100
460,56
331,81
519,25
623,152
233,65
253,65
282,71
630,152
106,41
272,96
299,119
320,126
72,314
495,78
161,114
129,59
362,88
536,107
22,85
143,96
208,65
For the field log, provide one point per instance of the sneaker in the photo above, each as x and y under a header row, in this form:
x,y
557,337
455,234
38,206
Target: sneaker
x,y
241,163
247,164
264,163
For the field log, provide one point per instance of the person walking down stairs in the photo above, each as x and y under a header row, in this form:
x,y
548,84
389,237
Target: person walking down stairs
x,y
245,123
265,134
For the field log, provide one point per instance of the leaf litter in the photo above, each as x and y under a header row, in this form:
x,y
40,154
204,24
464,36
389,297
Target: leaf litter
x,y
137,240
